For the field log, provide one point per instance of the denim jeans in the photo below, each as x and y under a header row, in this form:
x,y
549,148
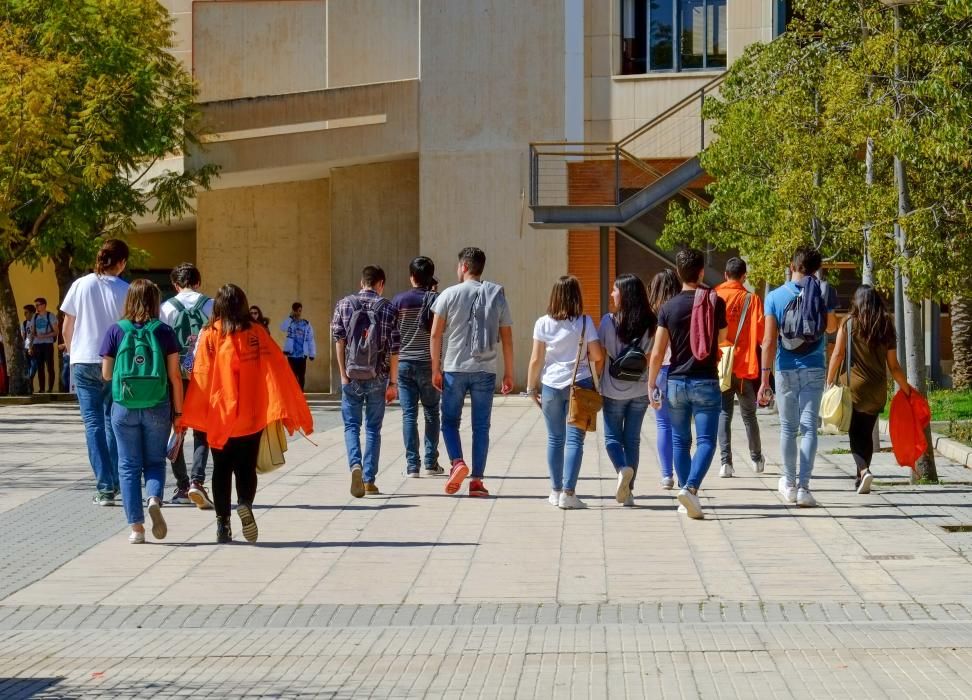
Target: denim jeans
x,y
65,380
565,443
622,431
94,400
663,425
480,387
746,390
200,453
798,394
366,397
414,388
701,400
143,434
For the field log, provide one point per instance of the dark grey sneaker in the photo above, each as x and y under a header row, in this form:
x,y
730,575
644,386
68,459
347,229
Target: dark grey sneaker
x,y
104,498
434,470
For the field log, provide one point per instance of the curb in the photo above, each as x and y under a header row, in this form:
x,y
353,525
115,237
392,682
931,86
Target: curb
x,y
950,449
37,399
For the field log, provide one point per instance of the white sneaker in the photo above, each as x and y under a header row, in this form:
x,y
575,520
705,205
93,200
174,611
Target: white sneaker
x,y
681,509
554,498
805,499
629,501
137,537
866,479
788,492
726,471
693,507
624,484
759,465
571,502
667,483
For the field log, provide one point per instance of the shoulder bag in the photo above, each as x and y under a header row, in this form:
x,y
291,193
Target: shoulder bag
x,y
729,353
584,403
837,403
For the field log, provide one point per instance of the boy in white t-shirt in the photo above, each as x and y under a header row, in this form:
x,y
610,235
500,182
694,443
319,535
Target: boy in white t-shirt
x,y
92,304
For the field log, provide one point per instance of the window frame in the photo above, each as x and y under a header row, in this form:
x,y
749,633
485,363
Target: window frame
x,y
675,8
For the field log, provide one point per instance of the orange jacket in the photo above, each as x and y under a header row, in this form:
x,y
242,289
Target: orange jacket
x,y
745,364
909,417
240,383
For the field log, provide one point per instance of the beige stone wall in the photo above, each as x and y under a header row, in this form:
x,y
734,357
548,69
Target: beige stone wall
x,y
372,41
181,12
275,242
492,81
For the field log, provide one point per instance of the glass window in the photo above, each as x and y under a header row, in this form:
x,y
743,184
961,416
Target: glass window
x,y
665,35
662,33
634,44
716,34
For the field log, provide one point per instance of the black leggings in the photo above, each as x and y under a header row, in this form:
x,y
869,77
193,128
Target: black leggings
x,y
861,439
238,456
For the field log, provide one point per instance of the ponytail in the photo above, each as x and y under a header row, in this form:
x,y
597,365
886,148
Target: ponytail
x,y
113,252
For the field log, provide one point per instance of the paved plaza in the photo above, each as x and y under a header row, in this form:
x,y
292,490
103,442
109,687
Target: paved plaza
x,y
417,594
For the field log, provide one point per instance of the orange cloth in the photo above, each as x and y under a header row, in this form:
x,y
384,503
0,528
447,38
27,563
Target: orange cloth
x,y
745,364
240,383
909,417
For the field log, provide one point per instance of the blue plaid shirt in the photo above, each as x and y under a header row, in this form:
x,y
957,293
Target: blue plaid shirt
x,y
387,315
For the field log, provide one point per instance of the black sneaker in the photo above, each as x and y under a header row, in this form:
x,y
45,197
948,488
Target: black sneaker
x,y
104,498
412,473
434,470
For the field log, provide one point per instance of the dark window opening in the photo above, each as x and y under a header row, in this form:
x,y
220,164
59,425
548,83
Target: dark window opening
x,y
673,35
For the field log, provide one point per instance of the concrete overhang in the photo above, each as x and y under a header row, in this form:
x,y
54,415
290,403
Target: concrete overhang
x,y
303,135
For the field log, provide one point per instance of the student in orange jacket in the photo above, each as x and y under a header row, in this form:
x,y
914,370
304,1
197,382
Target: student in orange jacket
x,y
240,383
745,365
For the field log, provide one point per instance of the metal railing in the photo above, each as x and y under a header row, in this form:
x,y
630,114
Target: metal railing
x,y
599,173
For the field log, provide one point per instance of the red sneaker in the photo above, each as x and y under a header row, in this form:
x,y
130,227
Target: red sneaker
x,y
457,475
477,490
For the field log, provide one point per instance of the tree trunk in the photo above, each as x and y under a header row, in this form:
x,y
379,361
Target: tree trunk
x,y
13,343
64,270
961,318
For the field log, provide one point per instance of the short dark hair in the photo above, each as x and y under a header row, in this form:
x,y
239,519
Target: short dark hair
x,y
185,275
29,308
296,306
566,300
807,260
736,268
423,270
372,275
474,259
40,300
689,263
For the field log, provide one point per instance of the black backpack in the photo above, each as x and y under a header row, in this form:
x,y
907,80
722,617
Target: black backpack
x,y
631,362
426,315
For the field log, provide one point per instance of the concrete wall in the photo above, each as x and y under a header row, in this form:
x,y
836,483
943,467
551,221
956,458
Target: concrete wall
x,y
492,81
274,241
181,12
372,41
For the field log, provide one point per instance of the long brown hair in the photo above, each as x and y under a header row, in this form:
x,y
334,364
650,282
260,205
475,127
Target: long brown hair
x,y
663,287
142,301
112,252
633,316
871,318
566,301
231,309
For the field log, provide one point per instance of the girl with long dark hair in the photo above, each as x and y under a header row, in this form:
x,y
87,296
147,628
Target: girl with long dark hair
x,y
241,383
870,329
627,331
663,287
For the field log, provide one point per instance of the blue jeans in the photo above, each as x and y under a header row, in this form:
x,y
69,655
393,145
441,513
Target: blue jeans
x,y
663,425
143,435
564,464
367,397
622,431
689,399
94,400
798,394
480,387
414,388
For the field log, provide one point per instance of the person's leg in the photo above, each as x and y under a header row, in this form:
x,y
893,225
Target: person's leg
x,y
90,391
706,400
663,428
811,392
680,414
859,433
179,472
41,364
634,418
245,454
788,406
408,397
156,424
573,457
222,478
295,367
352,406
747,407
49,359
374,417
430,398
65,373
481,397
200,454
107,401
131,460
45,367
454,386
728,403
614,411
554,407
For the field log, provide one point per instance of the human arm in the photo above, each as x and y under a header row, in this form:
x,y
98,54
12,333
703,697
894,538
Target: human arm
x,y
595,355
67,332
537,355
435,349
506,338
311,346
837,356
832,322
658,351
175,383
899,376
107,367
766,364
391,391
339,352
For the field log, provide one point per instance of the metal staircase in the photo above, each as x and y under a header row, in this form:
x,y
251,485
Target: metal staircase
x,y
601,185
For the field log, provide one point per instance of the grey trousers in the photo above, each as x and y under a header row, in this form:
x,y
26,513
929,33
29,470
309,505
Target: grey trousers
x,y
745,389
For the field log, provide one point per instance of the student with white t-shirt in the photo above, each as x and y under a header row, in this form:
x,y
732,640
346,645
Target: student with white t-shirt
x,y
556,338
92,304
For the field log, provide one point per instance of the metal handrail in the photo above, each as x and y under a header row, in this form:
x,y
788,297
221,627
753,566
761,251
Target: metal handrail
x,y
688,99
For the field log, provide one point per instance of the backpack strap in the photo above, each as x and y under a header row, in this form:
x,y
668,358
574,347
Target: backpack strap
x,y
742,320
580,351
200,303
850,348
126,325
179,306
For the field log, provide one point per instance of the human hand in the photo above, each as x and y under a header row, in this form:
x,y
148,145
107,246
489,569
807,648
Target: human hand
x,y
391,393
507,383
537,399
345,379
765,396
437,381
654,396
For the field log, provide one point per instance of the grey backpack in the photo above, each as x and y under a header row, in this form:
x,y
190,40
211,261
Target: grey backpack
x,y
363,347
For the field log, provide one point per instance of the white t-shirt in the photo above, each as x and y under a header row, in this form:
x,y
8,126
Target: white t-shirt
x,y
188,298
561,339
96,302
